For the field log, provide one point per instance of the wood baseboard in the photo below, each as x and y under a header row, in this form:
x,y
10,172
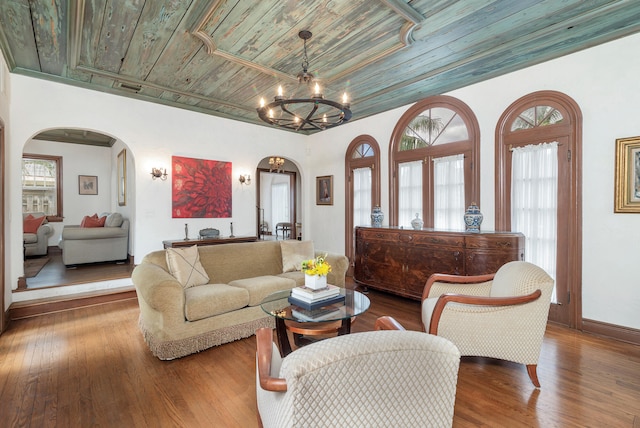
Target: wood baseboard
x,y
612,331
32,308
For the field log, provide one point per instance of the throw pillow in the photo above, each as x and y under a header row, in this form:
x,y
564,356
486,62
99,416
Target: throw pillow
x,y
31,223
294,253
184,264
113,220
93,221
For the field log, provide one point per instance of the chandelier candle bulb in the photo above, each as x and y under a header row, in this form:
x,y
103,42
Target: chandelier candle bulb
x,y
261,102
279,96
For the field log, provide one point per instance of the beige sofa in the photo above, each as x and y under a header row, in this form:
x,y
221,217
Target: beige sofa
x,y
37,244
96,244
177,321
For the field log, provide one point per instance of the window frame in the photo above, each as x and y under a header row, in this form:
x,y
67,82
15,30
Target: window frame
x,y
352,163
470,148
58,217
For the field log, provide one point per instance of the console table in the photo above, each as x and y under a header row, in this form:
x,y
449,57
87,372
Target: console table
x,y
207,241
400,261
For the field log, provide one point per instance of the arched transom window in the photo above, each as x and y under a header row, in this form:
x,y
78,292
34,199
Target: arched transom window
x,y
434,161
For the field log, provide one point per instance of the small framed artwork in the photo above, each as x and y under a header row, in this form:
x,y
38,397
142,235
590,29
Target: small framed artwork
x,y
324,190
122,178
88,184
627,188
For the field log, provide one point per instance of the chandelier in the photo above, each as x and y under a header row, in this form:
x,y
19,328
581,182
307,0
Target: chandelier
x,y
275,164
301,113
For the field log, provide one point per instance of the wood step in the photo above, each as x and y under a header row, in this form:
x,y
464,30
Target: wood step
x,y
32,308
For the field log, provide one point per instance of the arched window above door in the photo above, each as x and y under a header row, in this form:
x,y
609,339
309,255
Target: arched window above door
x,y
434,163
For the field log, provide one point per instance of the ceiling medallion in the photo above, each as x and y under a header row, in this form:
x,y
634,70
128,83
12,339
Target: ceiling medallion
x,y
300,113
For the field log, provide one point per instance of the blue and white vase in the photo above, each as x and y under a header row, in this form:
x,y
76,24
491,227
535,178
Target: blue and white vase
x,y
376,217
473,218
417,222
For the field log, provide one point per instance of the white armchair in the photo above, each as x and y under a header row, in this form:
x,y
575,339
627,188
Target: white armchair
x,y
376,378
502,315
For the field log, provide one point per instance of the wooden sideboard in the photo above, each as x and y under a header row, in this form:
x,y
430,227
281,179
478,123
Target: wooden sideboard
x,y
207,241
401,260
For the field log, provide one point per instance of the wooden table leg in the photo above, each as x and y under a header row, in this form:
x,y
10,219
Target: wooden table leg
x,y
345,328
283,338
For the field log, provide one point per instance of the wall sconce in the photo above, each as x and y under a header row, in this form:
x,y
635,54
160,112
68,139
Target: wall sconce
x,y
158,173
245,179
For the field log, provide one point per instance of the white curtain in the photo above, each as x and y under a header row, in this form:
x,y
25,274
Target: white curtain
x,y
280,203
534,202
362,197
448,186
410,192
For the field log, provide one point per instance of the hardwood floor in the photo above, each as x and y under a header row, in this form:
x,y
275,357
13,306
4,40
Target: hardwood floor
x,y
55,273
91,367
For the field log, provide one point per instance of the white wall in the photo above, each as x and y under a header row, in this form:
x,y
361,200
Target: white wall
x,y
152,134
602,80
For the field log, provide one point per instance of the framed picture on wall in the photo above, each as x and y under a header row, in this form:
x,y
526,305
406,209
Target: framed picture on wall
x,y
88,184
324,190
122,178
627,186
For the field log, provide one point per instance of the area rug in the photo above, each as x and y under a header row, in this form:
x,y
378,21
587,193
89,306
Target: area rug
x,y
33,266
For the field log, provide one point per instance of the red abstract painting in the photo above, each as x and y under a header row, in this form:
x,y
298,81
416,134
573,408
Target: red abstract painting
x,y
200,188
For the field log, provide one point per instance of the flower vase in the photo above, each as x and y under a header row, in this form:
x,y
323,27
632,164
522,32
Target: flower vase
x,y
417,222
473,218
315,282
376,217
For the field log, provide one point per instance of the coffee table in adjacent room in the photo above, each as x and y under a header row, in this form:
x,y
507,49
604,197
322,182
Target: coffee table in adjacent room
x,y
333,318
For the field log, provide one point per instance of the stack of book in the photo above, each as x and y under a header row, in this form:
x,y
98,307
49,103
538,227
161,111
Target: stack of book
x,y
308,298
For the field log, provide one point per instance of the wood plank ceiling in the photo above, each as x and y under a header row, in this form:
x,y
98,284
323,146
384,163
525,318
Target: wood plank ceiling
x,y
219,56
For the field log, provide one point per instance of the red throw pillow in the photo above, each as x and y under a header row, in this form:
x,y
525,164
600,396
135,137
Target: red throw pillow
x,y
93,221
31,223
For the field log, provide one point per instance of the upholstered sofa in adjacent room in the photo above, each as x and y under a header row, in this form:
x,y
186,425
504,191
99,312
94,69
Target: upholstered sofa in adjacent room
x,y
36,232
82,244
215,297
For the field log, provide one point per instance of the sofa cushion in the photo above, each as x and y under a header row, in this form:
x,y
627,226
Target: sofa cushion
x,y
261,286
297,276
113,220
294,253
31,223
213,299
184,264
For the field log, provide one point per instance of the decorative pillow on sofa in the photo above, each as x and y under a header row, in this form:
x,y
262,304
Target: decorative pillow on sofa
x,y
93,221
294,253
184,264
31,223
113,220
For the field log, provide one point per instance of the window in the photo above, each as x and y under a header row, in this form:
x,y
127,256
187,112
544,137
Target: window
x,y
362,193
434,153
538,161
42,185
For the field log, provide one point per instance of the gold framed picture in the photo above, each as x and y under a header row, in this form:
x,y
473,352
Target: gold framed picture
x,y
627,186
122,177
324,190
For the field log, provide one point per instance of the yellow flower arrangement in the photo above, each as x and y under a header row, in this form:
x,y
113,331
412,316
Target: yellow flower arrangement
x,y
317,266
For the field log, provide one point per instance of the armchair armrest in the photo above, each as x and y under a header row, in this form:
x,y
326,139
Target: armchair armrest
x,y
456,281
264,344
388,323
476,300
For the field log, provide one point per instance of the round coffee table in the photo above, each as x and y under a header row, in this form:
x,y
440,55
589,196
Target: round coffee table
x,y
332,318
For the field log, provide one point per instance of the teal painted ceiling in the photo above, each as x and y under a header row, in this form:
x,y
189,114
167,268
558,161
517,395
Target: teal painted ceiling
x,y
220,56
